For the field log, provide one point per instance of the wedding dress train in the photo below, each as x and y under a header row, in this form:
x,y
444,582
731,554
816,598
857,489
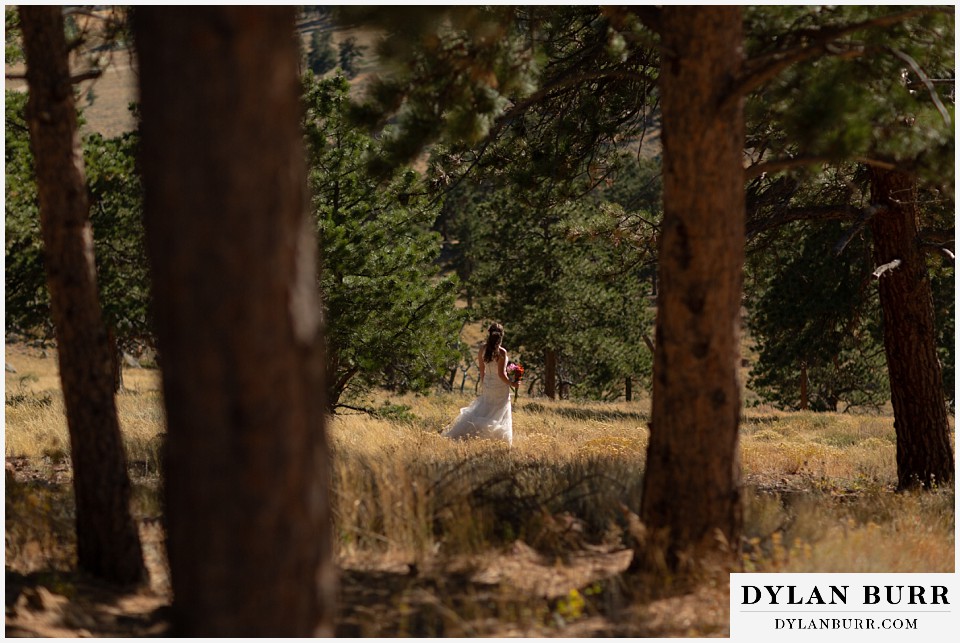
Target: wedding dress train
x,y
489,416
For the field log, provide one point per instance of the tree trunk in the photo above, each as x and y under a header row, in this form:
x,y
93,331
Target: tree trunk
x,y
238,320
108,544
924,454
804,387
116,363
691,487
629,391
550,375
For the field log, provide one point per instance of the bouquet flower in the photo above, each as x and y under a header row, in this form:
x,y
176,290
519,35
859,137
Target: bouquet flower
x,y
514,372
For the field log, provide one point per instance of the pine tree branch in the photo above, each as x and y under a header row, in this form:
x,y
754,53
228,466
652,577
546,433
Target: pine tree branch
x,y
937,236
868,214
822,42
813,213
87,75
925,80
550,90
777,165
649,344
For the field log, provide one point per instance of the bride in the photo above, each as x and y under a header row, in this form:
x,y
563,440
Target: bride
x,y
489,415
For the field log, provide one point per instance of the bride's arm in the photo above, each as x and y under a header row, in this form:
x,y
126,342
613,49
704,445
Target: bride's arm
x,y
502,366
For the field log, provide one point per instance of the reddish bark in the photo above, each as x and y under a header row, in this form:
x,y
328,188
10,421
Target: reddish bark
x,y
108,544
238,321
691,486
924,454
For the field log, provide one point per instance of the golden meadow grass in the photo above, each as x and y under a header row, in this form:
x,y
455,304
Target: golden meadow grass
x,y
818,486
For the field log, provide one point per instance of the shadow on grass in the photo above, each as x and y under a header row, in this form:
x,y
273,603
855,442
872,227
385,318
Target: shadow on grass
x,y
61,604
598,415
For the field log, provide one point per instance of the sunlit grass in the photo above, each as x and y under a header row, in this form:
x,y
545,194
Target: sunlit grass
x,y
818,496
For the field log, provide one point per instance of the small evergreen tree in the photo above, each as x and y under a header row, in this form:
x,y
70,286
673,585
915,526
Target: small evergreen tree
x,y
115,194
390,317
26,297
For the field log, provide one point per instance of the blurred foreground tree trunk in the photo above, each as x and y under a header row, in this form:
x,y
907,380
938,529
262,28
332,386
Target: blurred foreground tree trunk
x,y
691,485
238,321
108,544
924,454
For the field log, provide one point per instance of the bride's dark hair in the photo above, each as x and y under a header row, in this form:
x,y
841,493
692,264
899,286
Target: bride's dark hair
x,y
494,337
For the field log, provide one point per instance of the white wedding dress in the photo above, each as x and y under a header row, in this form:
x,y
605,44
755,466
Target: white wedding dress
x,y
488,417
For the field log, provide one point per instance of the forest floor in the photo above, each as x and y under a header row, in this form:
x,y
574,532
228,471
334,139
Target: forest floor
x,y
508,592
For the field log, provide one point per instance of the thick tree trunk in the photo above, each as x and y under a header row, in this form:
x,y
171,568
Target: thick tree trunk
x,y
691,488
108,545
238,322
924,454
550,374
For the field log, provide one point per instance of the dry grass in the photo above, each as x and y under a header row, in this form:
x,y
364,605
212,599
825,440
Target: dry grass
x,y
432,525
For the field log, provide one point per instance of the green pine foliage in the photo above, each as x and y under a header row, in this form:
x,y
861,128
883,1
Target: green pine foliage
x,y
11,32
867,98
811,308
27,302
870,94
552,277
390,316
943,284
115,213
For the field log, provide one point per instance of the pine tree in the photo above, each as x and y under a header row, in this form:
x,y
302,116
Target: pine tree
x,y
563,293
239,325
870,97
815,318
115,195
391,319
108,544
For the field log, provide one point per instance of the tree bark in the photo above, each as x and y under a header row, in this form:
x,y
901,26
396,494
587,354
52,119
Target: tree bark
x,y
238,322
692,482
108,544
804,387
924,454
550,374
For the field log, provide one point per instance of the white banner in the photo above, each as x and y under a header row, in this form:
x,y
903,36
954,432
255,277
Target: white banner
x,y
847,607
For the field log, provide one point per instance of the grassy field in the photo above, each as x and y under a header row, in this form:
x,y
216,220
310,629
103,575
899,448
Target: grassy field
x,y
449,539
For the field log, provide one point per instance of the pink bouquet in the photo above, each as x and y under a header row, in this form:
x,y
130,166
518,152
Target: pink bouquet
x,y
514,372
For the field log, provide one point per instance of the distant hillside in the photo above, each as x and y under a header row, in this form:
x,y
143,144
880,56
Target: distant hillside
x,y
106,101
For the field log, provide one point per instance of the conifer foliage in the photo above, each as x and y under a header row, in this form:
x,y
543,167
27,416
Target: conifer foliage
x,y
390,318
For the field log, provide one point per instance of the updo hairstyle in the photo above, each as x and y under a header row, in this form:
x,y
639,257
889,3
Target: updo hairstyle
x,y
494,338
